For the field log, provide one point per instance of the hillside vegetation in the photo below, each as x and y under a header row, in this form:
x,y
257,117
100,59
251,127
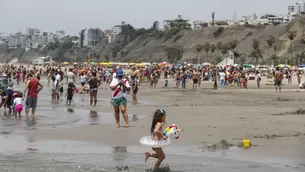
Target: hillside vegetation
x,y
250,44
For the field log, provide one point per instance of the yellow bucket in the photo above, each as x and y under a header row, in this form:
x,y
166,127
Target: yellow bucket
x,y
246,143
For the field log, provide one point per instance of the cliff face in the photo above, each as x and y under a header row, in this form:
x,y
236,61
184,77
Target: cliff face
x,y
151,46
153,49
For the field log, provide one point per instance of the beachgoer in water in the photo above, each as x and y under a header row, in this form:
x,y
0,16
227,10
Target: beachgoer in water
x,y
94,83
70,93
119,87
7,99
157,132
33,86
135,89
18,100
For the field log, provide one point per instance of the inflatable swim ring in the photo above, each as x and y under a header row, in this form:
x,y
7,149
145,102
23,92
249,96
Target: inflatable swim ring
x,y
171,130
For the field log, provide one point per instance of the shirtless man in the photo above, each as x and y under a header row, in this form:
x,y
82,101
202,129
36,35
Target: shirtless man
x,y
278,76
199,78
195,79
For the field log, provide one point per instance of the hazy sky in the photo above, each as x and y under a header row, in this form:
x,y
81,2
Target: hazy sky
x,y
73,15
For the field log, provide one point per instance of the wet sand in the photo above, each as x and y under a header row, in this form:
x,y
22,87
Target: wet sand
x,y
268,118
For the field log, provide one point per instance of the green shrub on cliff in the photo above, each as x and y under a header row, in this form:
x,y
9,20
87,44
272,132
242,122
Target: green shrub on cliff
x,y
219,31
171,32
173,54
220,23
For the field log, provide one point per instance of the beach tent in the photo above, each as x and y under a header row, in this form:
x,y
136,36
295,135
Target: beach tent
x,y
301,65
247,66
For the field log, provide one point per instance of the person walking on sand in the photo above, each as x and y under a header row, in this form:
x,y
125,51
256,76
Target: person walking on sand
x,y
258,79
195,79
119,87
222,77
33,87
157,133
278,76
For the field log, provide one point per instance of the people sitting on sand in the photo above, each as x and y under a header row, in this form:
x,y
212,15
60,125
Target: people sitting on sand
x,y
84,89
302,85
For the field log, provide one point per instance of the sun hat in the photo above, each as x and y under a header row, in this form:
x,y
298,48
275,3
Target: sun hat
x,y
119,73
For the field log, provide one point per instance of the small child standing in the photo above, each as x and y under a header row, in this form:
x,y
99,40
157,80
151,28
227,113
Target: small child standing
x,y
17,104
157,132
166,84
69,95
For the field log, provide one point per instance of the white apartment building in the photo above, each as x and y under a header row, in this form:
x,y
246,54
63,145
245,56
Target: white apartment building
x,y
31,31
17,40
197,24
116,30
112,33
296,8
259,22
272,20
90,37
60,34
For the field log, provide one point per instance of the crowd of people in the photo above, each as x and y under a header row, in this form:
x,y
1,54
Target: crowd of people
x,y
88,80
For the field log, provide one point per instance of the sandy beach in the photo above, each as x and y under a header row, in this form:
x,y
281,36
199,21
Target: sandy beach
x,y
273,121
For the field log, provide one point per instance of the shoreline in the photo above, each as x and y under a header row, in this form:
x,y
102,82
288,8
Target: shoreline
x,y
207,116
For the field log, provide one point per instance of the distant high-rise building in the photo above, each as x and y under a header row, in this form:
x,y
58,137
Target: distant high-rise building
x,y
60,34
90,37
31,31
296,8
16,41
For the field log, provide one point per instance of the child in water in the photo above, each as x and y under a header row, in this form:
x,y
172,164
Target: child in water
x,y
157,132
70,93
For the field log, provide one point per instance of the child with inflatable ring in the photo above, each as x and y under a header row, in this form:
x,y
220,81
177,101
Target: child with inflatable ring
x,y
157,132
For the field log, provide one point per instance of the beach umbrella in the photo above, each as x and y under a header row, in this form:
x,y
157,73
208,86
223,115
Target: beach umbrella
x,y
284,66
66,63
85,63
302,65
92,63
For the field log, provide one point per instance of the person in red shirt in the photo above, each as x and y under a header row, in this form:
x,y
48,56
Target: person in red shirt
x,y
33,86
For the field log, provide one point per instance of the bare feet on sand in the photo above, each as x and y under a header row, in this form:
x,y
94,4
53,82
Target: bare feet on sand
x,y
147,155
118,126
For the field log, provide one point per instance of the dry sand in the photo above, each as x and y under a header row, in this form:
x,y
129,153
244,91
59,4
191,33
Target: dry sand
x,y
207,116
